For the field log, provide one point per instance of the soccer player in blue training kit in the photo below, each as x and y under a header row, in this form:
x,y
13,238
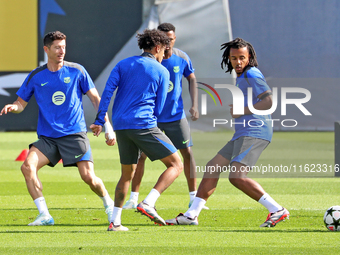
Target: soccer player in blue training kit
x,y
248,142
58,87
142,84
172,119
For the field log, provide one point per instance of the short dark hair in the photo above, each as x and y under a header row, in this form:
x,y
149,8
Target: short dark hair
x,y
52,36
152,37
237,44
166,27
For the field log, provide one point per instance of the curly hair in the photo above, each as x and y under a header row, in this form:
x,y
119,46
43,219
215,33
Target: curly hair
x,y
237,44
152,37
52,36
166,27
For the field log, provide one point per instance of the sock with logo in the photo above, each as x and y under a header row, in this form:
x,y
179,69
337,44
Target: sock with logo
x,y
192,195
107,200
134,196
41,205
116,216
152,198
268,202
195,208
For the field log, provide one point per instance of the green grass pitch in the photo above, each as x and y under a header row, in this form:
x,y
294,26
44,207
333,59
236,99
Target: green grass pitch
x,y
230,226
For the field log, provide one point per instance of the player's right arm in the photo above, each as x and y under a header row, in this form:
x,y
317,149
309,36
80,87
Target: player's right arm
x,y
194,96
110,87
17,107
109,133
162,92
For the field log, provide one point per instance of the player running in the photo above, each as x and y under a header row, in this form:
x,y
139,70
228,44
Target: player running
x,y
142,84
248,142
172,119
58,87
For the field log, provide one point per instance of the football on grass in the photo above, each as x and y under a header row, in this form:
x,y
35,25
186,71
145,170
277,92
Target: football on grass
x,y
332,218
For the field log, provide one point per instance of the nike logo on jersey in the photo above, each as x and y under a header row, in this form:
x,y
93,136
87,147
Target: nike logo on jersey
x,y
43,84
184,142
78,156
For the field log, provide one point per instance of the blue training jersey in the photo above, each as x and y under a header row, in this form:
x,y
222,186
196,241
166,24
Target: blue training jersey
x,y
178,65
253,125
142,84
59,98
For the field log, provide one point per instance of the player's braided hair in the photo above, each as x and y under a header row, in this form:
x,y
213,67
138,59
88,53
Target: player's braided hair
x,y
152,37
166,27
52,36
237,44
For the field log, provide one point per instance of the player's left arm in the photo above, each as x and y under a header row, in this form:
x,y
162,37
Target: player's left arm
x,y
194,96
265,103
161,92
109,133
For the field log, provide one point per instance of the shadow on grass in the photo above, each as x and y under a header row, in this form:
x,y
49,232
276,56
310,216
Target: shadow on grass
x,y
50,209
263,230
139,227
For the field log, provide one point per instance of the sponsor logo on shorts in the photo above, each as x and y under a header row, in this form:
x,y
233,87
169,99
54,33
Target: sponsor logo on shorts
x,y
77,156
184,142
43,84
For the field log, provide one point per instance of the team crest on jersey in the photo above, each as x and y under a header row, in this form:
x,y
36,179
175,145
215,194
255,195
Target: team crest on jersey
x,y
171,87
67,79
176,69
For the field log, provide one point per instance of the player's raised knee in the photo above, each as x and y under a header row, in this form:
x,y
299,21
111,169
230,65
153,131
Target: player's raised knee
x,y
26,168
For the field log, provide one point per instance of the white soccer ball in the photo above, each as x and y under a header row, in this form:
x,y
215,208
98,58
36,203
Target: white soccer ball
x,y
332,218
